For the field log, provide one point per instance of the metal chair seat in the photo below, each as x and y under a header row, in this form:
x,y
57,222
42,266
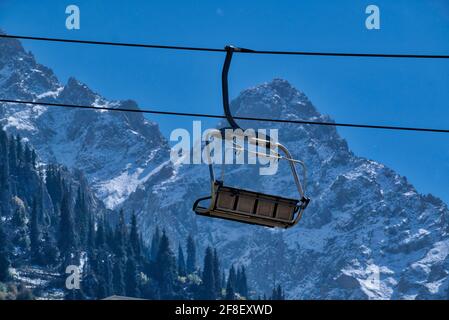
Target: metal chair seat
x,y
251,207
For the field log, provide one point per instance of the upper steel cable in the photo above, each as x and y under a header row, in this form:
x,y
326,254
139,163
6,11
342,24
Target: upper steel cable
x,y
188,48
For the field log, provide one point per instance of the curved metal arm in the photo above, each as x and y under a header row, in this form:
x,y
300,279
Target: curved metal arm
x,y
224,86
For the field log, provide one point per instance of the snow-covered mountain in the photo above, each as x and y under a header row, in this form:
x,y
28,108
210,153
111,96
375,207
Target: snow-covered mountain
x,y
117,151
366,234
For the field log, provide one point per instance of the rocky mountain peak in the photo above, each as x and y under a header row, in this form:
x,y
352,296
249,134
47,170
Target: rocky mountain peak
x,y
77,92
277,98
20,75
10,48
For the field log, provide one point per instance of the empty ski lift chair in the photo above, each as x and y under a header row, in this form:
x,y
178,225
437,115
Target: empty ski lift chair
x,y
248,206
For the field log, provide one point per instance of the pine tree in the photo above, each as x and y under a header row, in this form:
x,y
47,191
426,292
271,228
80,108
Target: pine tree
x,y
21,234
191,255
66,227
104,274
118,284
237,280
217,273
19,149
230,286
230,295
165,268
50,253
134,238
43,217
92,262
33,158
281,293
13,166
35,240
100,234
27,155
12,154
81,216
155,244
242,283
109,236
4,255
181,262
223,279
131,282
90,284
277,293
55,185
107,273
121,235
208,285
232,278
4,174
91,240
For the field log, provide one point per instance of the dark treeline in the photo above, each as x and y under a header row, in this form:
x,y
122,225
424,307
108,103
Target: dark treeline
x,y
49,219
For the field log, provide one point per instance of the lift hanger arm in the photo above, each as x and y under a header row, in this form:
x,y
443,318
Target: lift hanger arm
x,y
224,87
224,84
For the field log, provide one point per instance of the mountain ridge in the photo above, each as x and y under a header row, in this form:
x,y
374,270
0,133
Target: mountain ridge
x,y
72,136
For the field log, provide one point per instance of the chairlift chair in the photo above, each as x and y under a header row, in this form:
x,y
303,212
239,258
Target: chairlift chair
x,y
247,206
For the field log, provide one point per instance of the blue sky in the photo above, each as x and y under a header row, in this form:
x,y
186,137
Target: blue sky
x,y
394,92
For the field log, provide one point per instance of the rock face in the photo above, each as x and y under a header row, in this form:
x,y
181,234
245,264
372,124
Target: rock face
x,y
366,234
